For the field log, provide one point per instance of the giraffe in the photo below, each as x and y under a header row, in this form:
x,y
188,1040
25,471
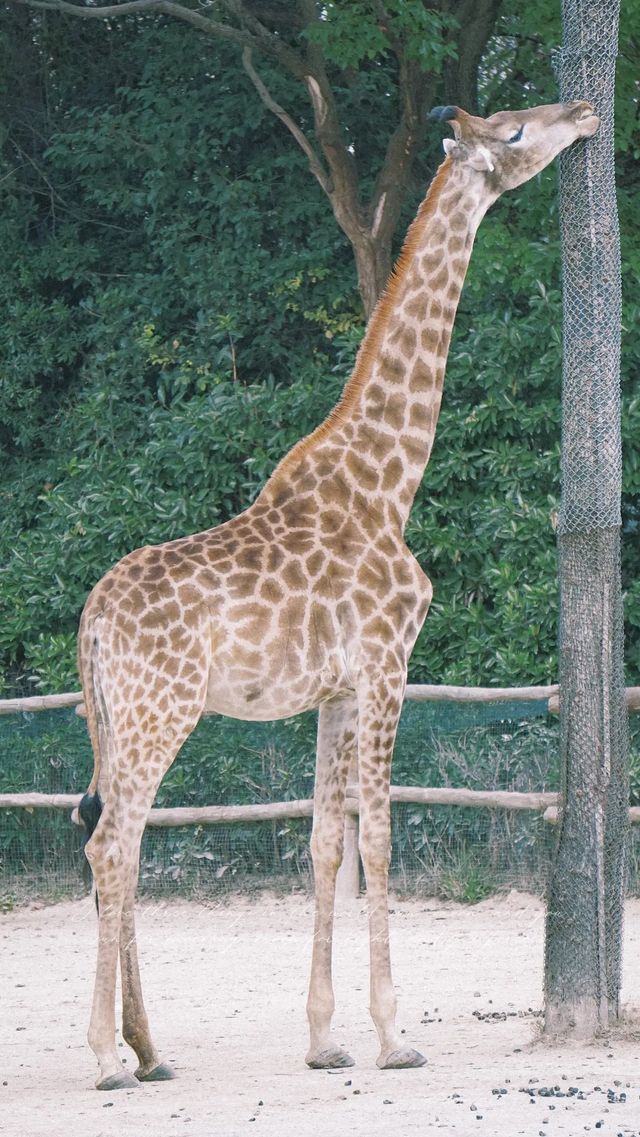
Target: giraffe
x,y
309,598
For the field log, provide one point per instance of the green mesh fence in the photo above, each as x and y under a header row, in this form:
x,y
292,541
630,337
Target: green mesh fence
x,y
458,853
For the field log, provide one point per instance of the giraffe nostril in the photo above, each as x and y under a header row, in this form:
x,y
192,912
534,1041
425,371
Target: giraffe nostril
x,y
583,109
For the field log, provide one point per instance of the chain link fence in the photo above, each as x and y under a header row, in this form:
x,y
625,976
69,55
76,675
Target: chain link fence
x,y
460,853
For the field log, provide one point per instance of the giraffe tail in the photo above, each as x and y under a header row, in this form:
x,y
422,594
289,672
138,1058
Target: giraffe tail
x,y
89,811
91,805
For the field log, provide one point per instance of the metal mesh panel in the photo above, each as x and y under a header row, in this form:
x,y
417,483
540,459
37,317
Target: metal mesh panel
x,y
584,922
591,446
457,853
460,853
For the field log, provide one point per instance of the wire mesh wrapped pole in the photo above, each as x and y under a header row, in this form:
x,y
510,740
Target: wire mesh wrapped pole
x,y
586,891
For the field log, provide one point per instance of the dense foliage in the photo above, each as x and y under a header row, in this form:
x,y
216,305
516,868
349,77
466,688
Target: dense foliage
x,y
179,306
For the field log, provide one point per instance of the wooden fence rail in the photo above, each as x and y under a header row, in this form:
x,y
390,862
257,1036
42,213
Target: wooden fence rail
x,y
285,810
40,703
419,692
348,878
541,802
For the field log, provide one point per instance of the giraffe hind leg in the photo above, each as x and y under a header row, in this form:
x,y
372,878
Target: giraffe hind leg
x,y
105,855
113,852
135,1024
137,740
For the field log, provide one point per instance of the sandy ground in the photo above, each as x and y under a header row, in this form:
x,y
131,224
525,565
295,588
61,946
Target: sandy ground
x,y
226,990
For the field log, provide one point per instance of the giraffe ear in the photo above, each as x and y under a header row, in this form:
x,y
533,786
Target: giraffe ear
x,y
454,148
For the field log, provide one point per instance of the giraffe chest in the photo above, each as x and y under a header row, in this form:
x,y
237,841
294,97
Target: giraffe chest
x,y
276,685
277,654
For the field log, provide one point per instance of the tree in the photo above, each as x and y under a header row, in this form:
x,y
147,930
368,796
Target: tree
x,y
344,54
179,306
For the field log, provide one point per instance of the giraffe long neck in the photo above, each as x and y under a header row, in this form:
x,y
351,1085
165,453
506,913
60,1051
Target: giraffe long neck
x,y
379,436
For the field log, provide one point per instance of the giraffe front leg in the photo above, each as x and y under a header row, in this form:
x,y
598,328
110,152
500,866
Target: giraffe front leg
x,y
337,726
379,712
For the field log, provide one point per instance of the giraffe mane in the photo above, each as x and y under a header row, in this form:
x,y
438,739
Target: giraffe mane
x,y
370,345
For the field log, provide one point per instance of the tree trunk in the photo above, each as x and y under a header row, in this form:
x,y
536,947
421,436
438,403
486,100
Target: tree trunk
x,y
476,22
373,266
586,893
587,882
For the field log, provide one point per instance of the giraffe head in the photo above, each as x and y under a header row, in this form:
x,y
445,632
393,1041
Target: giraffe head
x,y
508,148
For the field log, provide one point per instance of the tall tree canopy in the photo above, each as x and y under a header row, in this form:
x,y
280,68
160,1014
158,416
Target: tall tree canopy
x,y
352,60
180,305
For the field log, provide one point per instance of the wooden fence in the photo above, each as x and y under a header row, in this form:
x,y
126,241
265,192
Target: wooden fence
x,y
420,692
348,880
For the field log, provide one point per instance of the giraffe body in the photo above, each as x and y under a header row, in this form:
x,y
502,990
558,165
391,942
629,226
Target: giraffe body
x,y
310,598
313,653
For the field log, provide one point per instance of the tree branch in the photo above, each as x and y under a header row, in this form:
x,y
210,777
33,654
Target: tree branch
x,y
384,23
416,88
251,33
476,20
314,162
133,7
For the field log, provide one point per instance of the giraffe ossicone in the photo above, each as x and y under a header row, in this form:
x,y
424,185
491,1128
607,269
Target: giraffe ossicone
x,y
310,598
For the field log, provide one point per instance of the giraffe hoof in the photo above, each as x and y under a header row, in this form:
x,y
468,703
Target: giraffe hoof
x,y
333,1058
403,1059
123,1080
160,1073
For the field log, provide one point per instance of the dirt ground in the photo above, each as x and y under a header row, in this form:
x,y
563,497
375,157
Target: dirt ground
x,y
226,989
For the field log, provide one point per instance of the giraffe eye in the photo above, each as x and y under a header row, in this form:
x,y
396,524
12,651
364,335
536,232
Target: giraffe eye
x,y
516,137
